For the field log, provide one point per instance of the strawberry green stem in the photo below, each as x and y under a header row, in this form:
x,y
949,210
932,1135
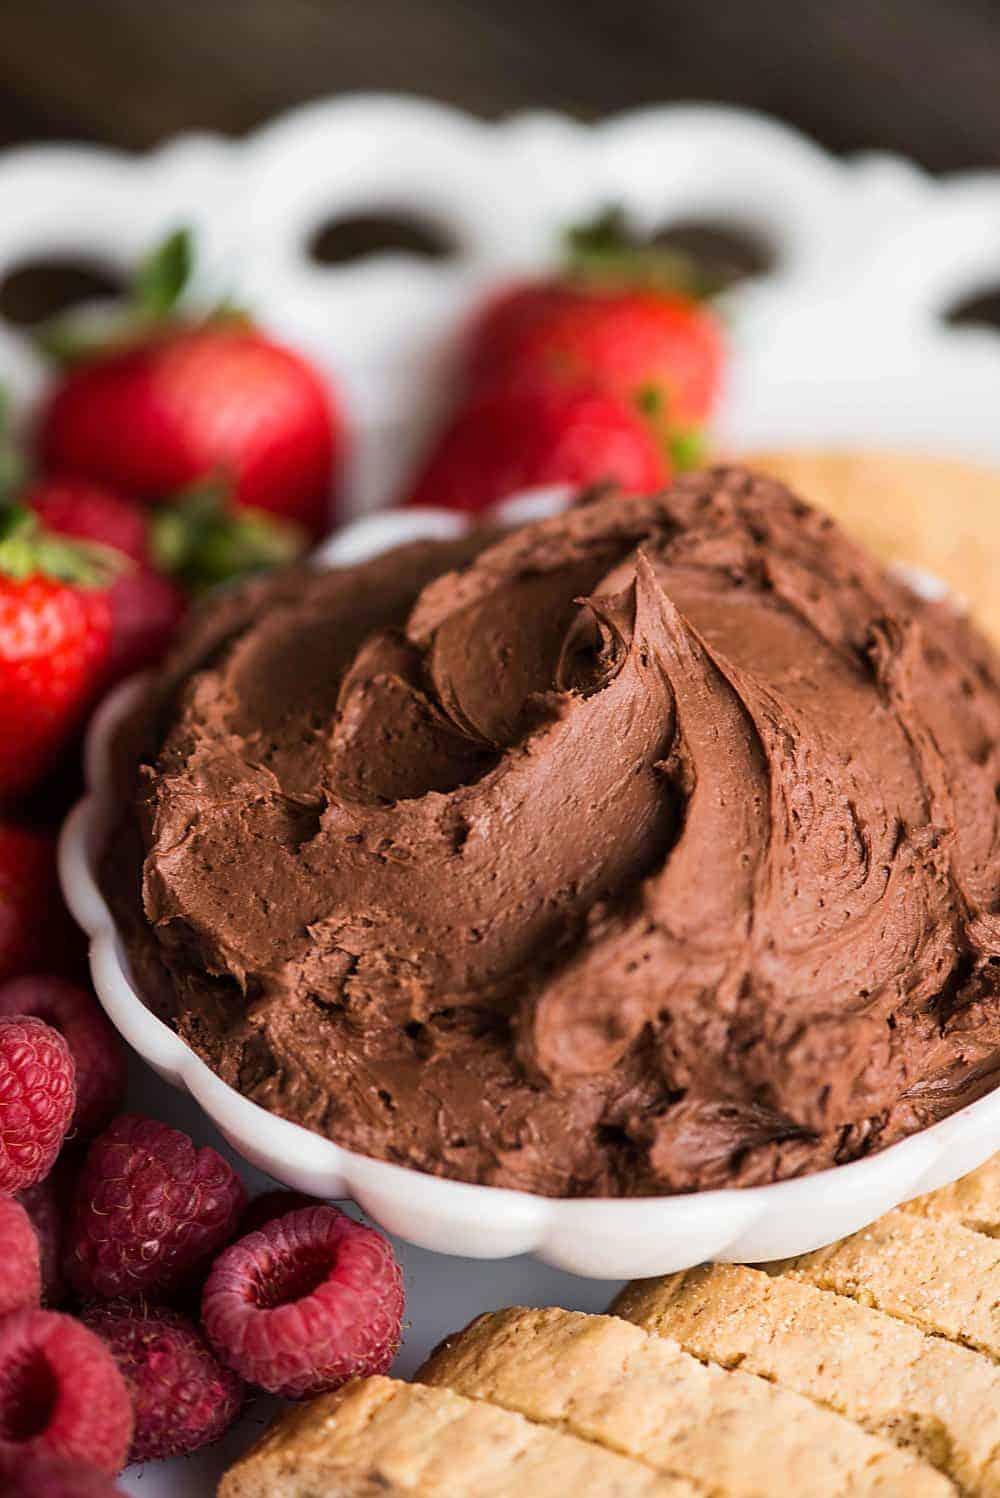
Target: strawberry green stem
x,y
606,255
687,447
28,550
155,306
163,276
204,541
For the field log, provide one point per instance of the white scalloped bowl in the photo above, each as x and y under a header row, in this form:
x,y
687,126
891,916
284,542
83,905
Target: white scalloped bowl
x,y
602,1238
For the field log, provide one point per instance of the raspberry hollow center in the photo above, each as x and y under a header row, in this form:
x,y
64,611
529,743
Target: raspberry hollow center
x,y
28,1397
282,1284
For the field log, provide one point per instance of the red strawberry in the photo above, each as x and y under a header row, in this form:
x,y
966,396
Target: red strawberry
x,y
197,539
91,512
36,929
172,400
655,350
146,609
221,398
526,437
622,318
55,638
146,606
506,320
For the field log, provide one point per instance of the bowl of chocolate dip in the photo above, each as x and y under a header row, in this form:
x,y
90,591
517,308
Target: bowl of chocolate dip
x,y
621,884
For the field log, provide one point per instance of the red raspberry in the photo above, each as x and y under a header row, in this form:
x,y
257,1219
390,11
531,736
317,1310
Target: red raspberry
x,y
50,1477
61,1393
21,1277
305,1303
182,1397
150,1210
97,1052
37,1097
271,1204
45,1204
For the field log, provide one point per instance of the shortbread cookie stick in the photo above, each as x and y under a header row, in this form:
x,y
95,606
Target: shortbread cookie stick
x,y
381,1437
735,1435
937,1274
974,1201
919,1391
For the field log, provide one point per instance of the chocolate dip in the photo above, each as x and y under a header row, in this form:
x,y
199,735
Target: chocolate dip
x,y
650,848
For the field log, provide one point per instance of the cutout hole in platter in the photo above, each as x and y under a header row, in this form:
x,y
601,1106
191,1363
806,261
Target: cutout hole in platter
x,y
36,290
349,237
981,310
724,253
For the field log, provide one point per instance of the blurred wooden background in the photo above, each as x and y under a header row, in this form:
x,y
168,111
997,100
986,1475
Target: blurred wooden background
x,y
919,76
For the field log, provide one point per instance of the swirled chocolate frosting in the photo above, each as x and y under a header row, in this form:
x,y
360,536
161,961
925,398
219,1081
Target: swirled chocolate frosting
x,y
648,848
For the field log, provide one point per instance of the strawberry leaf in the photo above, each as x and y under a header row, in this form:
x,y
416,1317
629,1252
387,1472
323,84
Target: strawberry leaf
x,y
155,304
64,342
687,448
607,234
203,541
27,548
606,253
163,276
154,301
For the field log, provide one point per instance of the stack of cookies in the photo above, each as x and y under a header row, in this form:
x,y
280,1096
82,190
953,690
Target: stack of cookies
x,y
870,1367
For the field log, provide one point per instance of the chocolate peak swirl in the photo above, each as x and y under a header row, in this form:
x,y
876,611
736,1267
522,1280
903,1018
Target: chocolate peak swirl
x,y
648,848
